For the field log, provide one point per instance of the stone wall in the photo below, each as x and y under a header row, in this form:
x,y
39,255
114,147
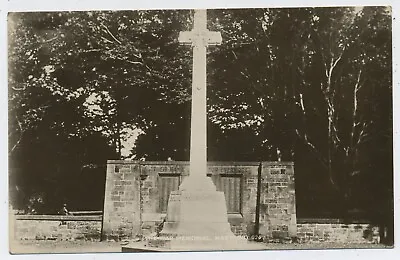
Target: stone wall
x,y
121,216
278,200
135,196
38,227
337,232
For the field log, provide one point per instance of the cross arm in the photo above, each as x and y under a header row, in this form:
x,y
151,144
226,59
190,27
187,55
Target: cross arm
x,y
186,37
214,38
195,37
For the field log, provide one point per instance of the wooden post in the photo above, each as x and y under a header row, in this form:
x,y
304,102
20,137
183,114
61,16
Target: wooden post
x,y
257,220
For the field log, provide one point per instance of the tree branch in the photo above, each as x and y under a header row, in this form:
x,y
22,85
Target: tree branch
x,y
91,50
362,133
355,109
307,142
50,40
129,61
339,58
331,111
329,73
112,35
18,89
20,136
106,40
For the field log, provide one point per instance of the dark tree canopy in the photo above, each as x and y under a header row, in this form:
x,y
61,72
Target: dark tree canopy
x,y
309,85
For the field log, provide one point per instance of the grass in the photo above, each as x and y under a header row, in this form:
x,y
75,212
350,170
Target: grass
x,y
80,246
50,246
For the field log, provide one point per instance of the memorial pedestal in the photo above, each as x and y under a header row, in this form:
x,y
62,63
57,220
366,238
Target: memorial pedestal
x,y
197,214
196,220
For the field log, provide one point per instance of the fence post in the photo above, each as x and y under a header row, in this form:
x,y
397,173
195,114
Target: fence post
x,y
257,220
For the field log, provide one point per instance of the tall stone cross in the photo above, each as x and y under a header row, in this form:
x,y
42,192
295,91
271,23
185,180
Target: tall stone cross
x,y
200,37
197,209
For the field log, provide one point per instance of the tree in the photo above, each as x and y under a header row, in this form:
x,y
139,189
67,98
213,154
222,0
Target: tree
x,y
312,85
85,75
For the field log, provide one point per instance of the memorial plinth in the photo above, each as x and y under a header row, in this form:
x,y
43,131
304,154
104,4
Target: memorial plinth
x,y
196,220
197,213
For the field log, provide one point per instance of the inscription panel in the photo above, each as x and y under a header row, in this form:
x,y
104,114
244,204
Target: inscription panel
x,y
231,185
166,184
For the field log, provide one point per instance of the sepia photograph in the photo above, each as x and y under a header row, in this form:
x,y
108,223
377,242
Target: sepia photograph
x,y
219,129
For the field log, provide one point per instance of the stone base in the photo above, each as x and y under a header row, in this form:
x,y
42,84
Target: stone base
x,y
196,220
171,246
196,214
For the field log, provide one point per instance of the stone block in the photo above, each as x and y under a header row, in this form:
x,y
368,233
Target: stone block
x,y
358,227
264,229
129,176
130,194
117,182
280,190
126,182
119,204
251,180
119,188
284,228
301,234
118,176
280,234
115,198
125,168
319,233
281,179
264,207
115,192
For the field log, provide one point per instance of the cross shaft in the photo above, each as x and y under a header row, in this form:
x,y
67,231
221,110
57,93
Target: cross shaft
x,y
199,38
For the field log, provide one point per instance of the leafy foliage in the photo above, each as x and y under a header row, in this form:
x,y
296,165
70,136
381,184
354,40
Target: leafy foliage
x,y
312,85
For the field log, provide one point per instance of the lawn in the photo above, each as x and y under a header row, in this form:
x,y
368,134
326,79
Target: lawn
x,y
47,246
